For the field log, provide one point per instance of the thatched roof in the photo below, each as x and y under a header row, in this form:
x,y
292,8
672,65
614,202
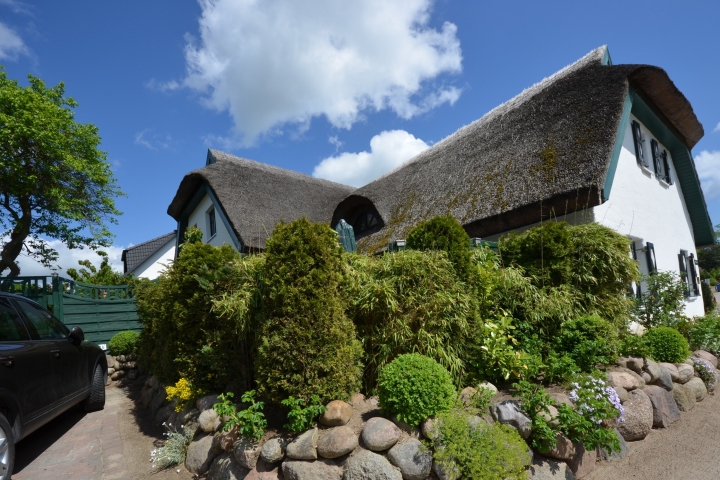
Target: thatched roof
x,y
255,196
551,146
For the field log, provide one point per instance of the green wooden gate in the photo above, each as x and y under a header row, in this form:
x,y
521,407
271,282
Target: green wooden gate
x,y
101,311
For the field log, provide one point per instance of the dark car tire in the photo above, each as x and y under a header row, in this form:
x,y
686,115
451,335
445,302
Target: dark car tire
x,y
7,448
96,400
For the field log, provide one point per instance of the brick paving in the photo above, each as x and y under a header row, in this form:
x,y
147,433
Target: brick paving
x,y
75,446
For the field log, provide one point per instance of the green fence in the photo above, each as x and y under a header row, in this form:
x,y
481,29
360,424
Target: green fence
x,y
100,310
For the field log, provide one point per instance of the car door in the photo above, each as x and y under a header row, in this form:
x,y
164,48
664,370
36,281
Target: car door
x,y
69,369
25,367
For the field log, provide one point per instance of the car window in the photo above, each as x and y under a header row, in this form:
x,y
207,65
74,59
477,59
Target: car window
x,y
11,326
47,326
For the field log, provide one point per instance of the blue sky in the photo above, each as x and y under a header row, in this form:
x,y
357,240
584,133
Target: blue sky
x,y
362,85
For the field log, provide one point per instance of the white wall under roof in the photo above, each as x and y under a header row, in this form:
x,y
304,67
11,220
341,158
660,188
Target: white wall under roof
x,y
199,218
153,266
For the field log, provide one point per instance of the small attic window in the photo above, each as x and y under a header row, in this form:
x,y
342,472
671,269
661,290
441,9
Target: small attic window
x,y
365,221
212,226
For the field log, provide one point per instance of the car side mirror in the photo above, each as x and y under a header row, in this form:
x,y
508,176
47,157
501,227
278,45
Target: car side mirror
x,y
76,335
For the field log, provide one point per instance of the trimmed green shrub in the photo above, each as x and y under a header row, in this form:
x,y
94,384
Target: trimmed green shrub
x,y
666,344
704,333
633,346
443,234
588,340
477,450
308,344
124,343
410,302
415,387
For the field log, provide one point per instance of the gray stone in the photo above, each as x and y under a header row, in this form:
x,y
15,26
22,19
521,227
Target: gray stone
x,y
412,458
187,416
508,412
563,450
199,455
273,450
366,465
321,469
658,375
544,468
405,427
488,386
336,442
560,399
158,401
635,364
583,462
647,378
164,413
146,396
133,374
209,421
430,428
227,440
621,393
224,468
684,398
624,380
608,456
338,413
665,410
120,358
265,471
304,447
702,354
117,375
111,370
246,452
685,372
638,416
380,434
129,365
110,361
633,373
206,402
672,370
468,395
697,387
448,472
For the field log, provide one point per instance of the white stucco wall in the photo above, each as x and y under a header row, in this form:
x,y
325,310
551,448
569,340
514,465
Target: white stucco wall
x,y
156,263
199,217
647,209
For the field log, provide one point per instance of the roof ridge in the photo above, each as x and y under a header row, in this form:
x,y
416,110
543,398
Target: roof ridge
x,y
173,233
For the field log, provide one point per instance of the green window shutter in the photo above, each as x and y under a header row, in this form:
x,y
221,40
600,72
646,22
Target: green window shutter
x,y
666,166
638,141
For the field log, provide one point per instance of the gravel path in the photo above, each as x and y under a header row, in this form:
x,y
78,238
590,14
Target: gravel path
x,y
689,449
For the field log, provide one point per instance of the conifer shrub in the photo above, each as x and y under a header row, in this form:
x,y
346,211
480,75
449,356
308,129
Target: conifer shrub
x,y
665,344
471,449
447,235
588,340
124,343
308,344
415,387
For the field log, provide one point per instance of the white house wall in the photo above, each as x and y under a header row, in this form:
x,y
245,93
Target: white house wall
x,y
199,218
649,210
153,266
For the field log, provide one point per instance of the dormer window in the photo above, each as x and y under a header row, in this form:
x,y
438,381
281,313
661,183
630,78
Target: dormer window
x,y
365,221
212,226
639,144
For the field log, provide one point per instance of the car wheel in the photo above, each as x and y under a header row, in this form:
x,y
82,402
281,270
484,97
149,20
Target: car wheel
x,y
7,448
96,400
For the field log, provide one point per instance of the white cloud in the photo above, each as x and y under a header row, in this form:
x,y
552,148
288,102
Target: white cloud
x,y
708,167
152,141
69,259
277,64
388,150
11,45
334,140
717,128
17,7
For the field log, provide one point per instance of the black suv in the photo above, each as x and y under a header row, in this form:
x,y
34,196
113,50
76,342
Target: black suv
x,y
45,369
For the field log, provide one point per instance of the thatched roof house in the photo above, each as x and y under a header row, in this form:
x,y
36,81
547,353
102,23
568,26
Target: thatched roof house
x,y
549,151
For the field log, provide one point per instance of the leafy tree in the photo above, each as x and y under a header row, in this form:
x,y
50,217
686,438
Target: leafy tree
x,y
105,275
447,235
662,301
54,181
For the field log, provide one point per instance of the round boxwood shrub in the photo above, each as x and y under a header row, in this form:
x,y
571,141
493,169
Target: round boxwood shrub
x,y
415,387
666,344
124,343
447,235
588,340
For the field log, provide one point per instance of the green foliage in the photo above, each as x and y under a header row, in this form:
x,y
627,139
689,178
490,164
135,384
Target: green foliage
x,y
308,343
662,301
709,258
665,344
415,387
105,275
479,400
409,302
591,260
184,335
633,346
494,354
709,302
704,333
447,235
56,183
558,367
466,449
192,235
173,451
588,340
124,343
250,422
300,417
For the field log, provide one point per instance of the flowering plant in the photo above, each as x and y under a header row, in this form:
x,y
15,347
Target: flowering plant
x,y
183,392
706,371
175,447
